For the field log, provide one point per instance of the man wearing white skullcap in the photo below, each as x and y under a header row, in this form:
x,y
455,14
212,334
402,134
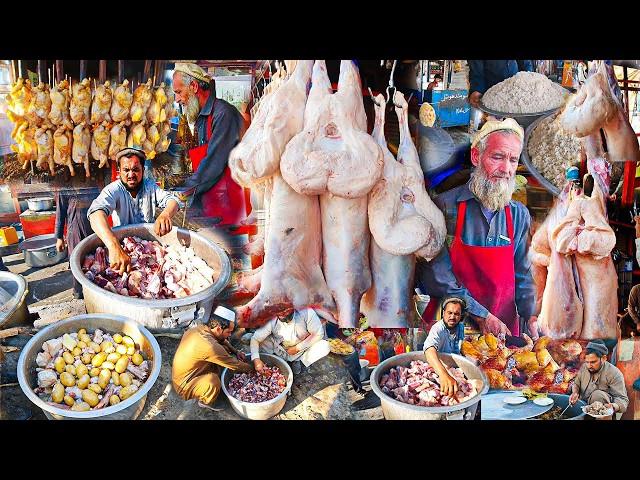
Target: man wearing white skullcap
x,y
486,260
218,128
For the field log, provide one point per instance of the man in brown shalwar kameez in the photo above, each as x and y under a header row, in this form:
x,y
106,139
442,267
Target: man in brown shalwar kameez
x,y
599,380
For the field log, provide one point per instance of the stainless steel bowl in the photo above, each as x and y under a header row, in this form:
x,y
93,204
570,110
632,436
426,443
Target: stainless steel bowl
x,y
261,410
14,309
395,410
40,251
128,409
170,313
40,204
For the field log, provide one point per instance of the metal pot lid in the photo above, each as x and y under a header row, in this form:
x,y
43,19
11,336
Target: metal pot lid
x,y
41,242
12,288
435,147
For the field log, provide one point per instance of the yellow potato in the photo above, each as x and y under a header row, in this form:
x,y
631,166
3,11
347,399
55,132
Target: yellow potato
x,y
113,357
86,358
108,365
59,363
107,347
98,359
82,331
58,393
94,372
76,352
81,407
121,349
126,392
122,364
83,382
68,399
90,397
67,379
81,370
68,358
84,338
131,350
128,341
114,400
137,359
95,347
117,338
95,387
115,376
81,345
70,369
125,379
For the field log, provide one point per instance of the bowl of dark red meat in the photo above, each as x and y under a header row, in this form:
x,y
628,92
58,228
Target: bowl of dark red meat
x,y
409,389
259,396
172,282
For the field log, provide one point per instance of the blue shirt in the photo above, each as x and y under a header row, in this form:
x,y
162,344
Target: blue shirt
x,y
443,339
436,278
484,74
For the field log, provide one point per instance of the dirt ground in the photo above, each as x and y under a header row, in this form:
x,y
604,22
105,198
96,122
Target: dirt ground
x,y
321,393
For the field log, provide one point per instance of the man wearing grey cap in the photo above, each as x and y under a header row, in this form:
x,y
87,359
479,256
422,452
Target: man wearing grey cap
x,y
130,199
446,336
599,380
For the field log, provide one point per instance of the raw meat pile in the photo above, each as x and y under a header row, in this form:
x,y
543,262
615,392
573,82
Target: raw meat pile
x,y
525,92
157,272
345,218
546,366
418,385
258,387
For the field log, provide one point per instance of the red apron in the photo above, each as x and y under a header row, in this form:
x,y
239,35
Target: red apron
x,y
487,272
226,199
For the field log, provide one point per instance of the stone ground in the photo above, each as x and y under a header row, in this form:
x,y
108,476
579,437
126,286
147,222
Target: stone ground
x,y
322,393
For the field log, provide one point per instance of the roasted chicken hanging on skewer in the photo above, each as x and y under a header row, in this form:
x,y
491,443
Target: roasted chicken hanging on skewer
x,y
163,143
62,141
44,140
81,146
101,105
137,136
141,100
121,103
100,144
150,144
81,102
40,105
26,146
19,97
118,135
157,113
59,114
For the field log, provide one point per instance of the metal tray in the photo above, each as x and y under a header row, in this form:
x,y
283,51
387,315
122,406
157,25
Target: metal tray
x,y
550,187
524,119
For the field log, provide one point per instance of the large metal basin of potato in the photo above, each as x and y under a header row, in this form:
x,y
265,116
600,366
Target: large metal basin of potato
x,y
127,409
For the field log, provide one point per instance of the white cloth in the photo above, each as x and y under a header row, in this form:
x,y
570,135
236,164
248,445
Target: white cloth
x,y
304,331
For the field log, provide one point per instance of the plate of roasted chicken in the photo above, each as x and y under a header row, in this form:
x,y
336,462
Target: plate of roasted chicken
x,y
598,410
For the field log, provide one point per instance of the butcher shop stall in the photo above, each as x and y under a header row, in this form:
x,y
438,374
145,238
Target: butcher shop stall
x,y
578,180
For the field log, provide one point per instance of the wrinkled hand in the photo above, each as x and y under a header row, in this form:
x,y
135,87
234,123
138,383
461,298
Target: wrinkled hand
x,y
493,324
573,398
448,385
119,260
292,350
242,356
637,220
163,224
60,245
612,405
533,327
474,99
258,365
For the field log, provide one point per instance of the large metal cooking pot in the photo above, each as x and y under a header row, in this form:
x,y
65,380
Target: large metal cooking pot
x,y
13,296
40,251
128,409
40,204
573,413
261,410
170,313
395,410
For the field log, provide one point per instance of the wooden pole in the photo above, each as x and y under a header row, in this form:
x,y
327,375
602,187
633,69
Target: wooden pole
x,y
120,71
59,70
12,72
42,68
83,69
102,71
147,71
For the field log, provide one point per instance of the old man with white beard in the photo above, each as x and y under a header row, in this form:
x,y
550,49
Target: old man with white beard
x,y
486,259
